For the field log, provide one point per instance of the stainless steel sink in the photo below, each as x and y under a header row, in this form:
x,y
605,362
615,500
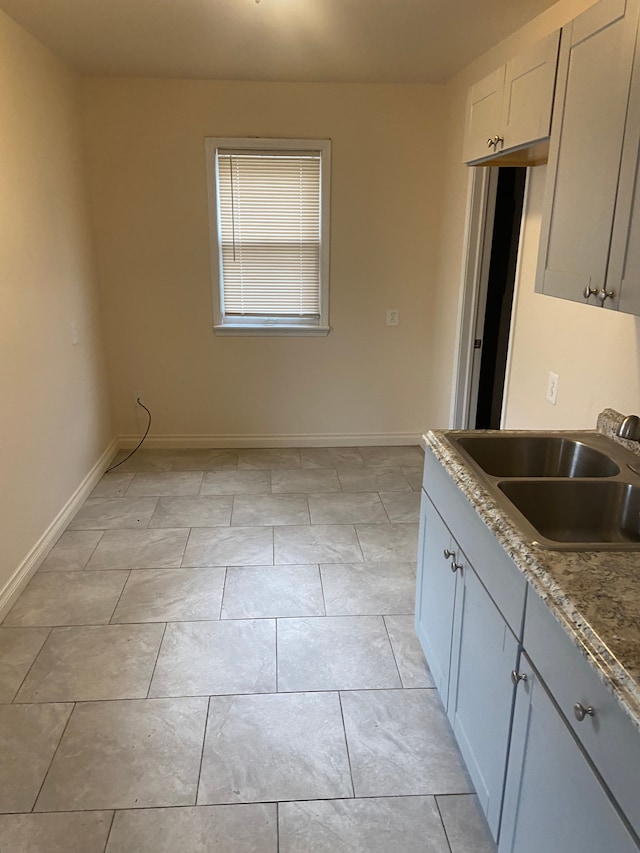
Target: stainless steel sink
x,y
536,456
572,511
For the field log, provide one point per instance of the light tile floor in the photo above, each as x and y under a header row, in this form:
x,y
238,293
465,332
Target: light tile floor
x,y
218,656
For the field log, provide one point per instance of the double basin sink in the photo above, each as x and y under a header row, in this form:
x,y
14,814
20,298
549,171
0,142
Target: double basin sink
x,y
564,491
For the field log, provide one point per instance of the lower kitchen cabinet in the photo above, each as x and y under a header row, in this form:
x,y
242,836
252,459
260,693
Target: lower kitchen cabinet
x,y
484,653
435,594
554,801
471,653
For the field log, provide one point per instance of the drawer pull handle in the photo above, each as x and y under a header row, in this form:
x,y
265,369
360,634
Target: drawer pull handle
x,y
455,566
518,676
448,554
580,712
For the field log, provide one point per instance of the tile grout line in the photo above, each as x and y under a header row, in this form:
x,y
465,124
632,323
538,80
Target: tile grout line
x,y
324,600
277,827
444,828
21,685
277,685
204,739
153,671
395,660
106,843
346,743
119,597
384,507
224,589
55,752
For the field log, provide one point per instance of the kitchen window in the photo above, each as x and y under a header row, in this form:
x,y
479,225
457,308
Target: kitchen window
x,y
269,234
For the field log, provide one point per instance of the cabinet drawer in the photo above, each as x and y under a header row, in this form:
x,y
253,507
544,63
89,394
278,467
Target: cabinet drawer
x,y
609,737
498,573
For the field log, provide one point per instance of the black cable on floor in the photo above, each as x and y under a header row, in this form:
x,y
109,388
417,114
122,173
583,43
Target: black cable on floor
x,y
139,445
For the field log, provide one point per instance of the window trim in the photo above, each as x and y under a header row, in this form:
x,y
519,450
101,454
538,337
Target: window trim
x,y
272,325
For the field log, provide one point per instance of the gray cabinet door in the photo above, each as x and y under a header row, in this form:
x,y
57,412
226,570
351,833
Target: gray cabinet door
x,y
592,94
435,594
553,799
484,653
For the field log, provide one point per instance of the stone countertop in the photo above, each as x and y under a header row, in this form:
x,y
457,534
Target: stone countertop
x,y
594,595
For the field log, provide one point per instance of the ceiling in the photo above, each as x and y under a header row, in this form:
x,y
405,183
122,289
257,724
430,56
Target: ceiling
x,y
394,41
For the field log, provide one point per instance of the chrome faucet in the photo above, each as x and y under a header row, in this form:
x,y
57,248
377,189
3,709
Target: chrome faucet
x,y
629,428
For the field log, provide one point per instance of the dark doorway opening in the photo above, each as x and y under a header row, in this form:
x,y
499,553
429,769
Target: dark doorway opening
x,y
500,288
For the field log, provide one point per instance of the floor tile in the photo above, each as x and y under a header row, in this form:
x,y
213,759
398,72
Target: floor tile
x,y
400,743
465,824
233,546
72,551
76,832
377,825
331,457
18,650
302,481
248,828
282,457
401,507
373,480
114,513
170,595
29,735
319,543
113,485
236,483
67,598
127,754
391,457
95,662
139,549
388,542
208,658
255,510
274,747
409,656
268,591
335,653
144,460
368,588
165,484
346,508
414,476
192,512
204,460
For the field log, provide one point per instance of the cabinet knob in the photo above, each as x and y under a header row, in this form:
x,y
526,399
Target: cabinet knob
x,y
448,554
590,291
490,142
603,295
455,566
518,676
580,712
497,140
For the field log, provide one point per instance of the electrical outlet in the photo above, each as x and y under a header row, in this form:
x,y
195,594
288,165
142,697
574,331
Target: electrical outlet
x,y
137,395
393,316
552,388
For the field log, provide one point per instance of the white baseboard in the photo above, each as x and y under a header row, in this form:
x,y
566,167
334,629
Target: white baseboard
x,y
180,442
36,555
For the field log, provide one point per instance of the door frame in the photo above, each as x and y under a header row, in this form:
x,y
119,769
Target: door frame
x,y
479,222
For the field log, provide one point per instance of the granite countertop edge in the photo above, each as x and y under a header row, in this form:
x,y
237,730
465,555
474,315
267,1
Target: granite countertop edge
x,y
545,569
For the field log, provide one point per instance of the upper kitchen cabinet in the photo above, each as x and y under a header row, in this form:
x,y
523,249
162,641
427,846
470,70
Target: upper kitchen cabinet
x,y
582,256
509,111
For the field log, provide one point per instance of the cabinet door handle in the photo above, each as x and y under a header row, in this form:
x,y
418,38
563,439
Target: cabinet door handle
x,y
580,712
603,295
448,554
590,291
490,142
497,140
518,676
455,566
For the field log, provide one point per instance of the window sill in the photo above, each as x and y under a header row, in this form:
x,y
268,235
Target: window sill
x,y
259,330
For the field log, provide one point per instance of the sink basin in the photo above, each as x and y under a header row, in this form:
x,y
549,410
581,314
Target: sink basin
x,y
579,512
536,456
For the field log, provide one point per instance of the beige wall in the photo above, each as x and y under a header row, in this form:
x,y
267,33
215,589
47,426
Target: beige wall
x,y
147,182
594,352
54,420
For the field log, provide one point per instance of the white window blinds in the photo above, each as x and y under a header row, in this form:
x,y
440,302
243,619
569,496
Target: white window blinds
x,y
269,209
